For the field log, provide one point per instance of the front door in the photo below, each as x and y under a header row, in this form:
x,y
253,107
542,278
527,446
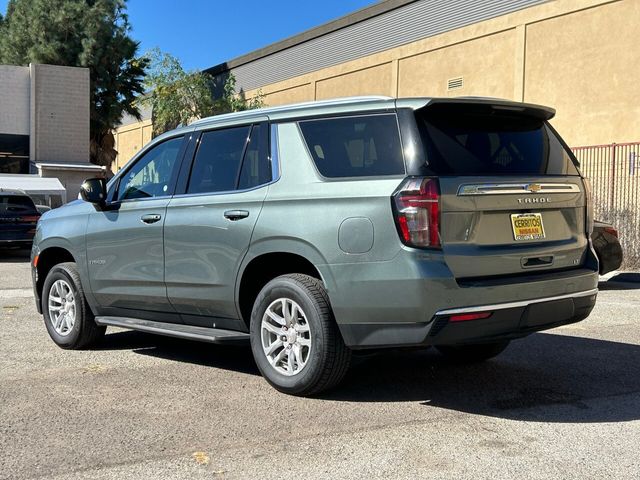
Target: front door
x,y
125,255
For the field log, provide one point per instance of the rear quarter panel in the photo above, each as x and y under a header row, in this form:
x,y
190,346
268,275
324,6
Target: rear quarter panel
x,y
327,221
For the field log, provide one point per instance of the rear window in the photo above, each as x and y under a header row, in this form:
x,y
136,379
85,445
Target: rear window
x,y
16,204
463,140
362,146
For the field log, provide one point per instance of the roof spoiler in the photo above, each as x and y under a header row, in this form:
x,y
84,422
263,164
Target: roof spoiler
x,y
498,105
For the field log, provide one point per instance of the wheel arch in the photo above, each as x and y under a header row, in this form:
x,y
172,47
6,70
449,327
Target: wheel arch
x,y
47,259
264,264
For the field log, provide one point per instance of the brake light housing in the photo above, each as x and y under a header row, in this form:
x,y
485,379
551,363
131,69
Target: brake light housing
x,y
29,218
416,207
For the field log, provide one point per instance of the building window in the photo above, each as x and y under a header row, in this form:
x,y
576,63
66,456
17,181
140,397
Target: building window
x,y
14,153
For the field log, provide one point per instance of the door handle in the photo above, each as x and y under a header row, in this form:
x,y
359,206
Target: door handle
x,y
236,214
150,218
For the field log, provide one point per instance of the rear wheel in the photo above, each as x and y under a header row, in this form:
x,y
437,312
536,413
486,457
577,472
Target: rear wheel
x,y
473,353
294,337
67,315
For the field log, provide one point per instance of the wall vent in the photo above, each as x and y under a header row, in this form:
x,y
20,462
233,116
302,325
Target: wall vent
x,y
455,83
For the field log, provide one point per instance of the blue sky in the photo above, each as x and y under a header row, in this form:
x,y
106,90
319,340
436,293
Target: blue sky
x,y
204,33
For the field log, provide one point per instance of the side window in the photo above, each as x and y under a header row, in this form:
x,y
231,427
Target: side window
x,y
152,173
355,146
218,160
219,165
256,168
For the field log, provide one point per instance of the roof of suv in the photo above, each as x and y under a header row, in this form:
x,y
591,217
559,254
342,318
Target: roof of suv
x,y
339,106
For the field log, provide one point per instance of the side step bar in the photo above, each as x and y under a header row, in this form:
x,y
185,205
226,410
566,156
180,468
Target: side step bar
x,y
202,334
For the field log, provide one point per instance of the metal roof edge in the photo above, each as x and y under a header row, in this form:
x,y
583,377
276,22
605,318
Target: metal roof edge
x,y
358,16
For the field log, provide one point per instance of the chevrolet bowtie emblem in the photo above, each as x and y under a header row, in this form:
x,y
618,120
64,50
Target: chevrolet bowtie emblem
x,y
534,187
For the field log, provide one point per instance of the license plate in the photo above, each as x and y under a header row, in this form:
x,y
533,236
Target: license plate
x,y
527,226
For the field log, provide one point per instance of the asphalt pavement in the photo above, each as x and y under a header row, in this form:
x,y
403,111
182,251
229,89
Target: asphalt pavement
x,y
560,404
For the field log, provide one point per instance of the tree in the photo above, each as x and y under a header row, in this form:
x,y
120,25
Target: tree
x,y
178,97
233,101
81,33
175,96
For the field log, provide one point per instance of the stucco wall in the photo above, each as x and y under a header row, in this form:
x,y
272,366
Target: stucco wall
x,y
14,99
578,56
586,65
130,139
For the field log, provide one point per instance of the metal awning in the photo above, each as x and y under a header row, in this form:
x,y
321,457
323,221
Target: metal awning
x,y
33,184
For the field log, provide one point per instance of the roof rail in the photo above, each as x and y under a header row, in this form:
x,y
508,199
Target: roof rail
x,y
292,107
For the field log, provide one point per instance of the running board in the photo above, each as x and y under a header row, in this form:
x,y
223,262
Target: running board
x,y
179,330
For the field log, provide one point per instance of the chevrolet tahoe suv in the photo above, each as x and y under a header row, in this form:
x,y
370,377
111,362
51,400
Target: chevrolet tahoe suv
x,y
317,229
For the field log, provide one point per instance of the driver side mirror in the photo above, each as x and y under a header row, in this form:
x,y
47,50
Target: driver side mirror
x,y
94,190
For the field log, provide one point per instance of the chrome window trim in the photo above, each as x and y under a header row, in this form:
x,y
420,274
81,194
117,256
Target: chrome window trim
x,y
523,303
516,188
274,148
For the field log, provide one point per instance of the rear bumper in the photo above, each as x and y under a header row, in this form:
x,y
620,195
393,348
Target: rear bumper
x,y
507,321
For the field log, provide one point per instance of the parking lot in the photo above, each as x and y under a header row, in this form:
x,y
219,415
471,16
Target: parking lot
x,y
560,404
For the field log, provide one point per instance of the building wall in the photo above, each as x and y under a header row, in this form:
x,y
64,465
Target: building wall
x,y
130,139
14,99
593,80
59,114
578,56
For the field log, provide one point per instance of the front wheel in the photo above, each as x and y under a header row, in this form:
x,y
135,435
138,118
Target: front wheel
x,y
473,353
67,315
294,338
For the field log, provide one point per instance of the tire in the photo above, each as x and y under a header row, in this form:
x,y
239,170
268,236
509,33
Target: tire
x,y
78,329
473,353
320,357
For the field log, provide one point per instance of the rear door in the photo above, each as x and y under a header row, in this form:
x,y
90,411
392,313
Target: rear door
x,y
209,225
512,199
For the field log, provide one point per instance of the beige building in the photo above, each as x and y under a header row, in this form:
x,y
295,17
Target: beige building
x,y
578,56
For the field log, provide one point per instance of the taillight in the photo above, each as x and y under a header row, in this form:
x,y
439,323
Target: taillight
x,y
417,210
29,218
589,206
611,231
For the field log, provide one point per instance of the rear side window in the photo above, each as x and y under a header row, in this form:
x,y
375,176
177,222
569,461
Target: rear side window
x,y
256,167
16,204
362,146
469,140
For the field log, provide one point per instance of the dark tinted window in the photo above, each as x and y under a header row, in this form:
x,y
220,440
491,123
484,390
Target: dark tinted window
x,y
256,168
17,204
14,153
218,160
355,146
152,173
462,140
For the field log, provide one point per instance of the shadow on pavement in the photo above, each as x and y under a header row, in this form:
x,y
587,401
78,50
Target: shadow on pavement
x,y
236,358
558,373
14,255
621,281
